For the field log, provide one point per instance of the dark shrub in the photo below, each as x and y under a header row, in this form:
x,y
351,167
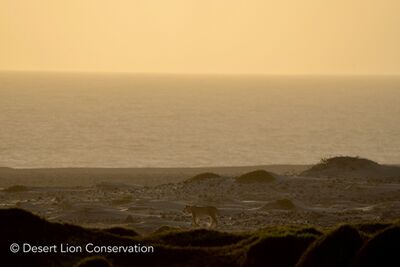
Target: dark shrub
x,y
198,238
94,261
15,189
381,250
277,251
372,228
203,176
341,163
165,229
281,204
336,249
309,230
259,176
274,230
20,226
121,231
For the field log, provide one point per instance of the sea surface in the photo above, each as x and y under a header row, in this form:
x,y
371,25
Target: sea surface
x,y
126,120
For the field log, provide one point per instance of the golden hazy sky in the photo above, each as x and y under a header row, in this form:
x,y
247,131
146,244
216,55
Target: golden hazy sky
x,y
202,36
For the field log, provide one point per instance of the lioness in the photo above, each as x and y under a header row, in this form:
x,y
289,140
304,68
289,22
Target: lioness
x,y
202,212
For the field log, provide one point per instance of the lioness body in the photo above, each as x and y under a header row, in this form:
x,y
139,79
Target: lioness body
x,y
203,212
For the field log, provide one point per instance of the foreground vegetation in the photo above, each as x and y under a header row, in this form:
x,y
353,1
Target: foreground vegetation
x,y
347,245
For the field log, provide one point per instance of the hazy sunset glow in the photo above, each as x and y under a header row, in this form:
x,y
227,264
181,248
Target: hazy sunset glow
x,y
188,36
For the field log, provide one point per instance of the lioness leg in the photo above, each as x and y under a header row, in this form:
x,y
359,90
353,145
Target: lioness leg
x,y
195,220
213,221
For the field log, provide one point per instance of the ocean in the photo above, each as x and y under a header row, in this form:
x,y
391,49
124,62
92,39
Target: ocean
x,y
127,120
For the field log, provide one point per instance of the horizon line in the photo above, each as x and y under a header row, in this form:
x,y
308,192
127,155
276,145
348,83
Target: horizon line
x,y
201,73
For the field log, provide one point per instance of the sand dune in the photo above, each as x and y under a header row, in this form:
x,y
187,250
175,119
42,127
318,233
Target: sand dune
x,y
353,167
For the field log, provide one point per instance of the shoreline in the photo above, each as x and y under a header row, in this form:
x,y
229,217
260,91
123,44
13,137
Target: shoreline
x,y
80,176
145,176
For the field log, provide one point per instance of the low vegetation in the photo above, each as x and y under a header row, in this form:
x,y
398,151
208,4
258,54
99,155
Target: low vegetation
x,y
258,176
371,229
335,249
166,229
203,177
197,238
120,231
381,250
15,189
343,163
358,245
282,250
94,261
122,200
280,204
